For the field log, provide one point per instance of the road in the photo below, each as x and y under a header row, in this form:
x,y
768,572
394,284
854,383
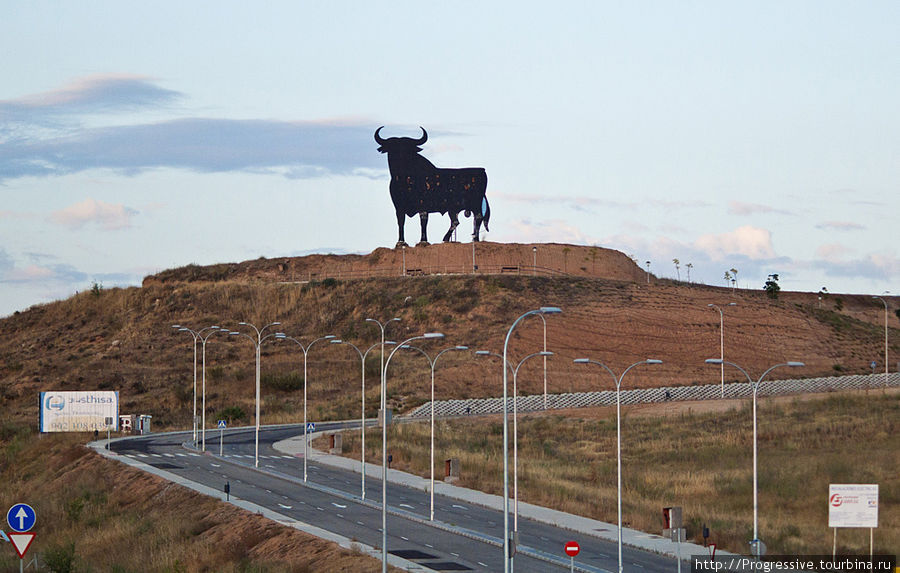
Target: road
x,y
464,536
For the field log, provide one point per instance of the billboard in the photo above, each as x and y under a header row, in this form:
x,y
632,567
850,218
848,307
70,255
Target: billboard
x,y
853,505
79,411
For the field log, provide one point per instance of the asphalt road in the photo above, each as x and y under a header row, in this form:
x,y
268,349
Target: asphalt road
x,y
464,536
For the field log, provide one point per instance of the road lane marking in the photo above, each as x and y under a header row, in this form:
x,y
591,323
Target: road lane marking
x,y
281,505
338,505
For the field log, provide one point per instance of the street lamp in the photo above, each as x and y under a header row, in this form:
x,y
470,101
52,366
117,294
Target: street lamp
x,y
507,558
305,349
426,336
382,326
618,381
886,371
196,334
432,363
534,261
755,388
257,343
722,339
362,419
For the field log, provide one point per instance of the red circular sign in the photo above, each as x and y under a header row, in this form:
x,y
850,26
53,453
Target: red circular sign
x,y
572,548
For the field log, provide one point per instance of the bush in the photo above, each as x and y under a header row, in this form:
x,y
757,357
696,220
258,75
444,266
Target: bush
x,y
231,413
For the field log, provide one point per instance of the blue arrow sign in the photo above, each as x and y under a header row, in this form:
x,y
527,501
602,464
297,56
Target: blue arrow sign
x,y
21,517
311,427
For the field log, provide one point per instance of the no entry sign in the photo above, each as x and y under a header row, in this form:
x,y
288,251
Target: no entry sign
x,y
572,548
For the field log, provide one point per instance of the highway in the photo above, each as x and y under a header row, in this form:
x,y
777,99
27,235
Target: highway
x,y
464,536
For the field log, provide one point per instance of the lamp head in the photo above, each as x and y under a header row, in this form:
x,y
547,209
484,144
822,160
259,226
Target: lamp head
x,y
337,341
652,361
545,353
179,326
435,335
390,343
550,310
582,361
714,361
795,364
461,348
482,353
329,336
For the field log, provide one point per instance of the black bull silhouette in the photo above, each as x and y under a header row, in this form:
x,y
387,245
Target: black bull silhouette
x,y
417,186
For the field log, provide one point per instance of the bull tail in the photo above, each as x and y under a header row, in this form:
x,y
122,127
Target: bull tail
x,y
486,213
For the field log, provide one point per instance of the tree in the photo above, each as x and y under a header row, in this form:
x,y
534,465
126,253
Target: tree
x,y
676,262
771,287
689,266
727,278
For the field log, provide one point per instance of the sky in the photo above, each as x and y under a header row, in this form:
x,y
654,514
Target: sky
x,y
141,136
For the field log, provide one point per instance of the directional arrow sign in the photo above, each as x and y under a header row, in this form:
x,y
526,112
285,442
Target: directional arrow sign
x,y
21,517
21,542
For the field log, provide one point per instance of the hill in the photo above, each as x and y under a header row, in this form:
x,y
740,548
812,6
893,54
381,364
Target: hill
x,y
613,311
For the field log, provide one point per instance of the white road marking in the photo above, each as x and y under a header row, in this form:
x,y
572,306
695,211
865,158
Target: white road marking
x,y
460,507
406,505
281,505
339,505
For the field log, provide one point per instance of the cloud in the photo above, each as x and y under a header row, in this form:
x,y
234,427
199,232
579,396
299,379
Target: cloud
x,y
740,208
573,201
107,216
873,266
833,252
751,242
840,226
40,136
293,149
106,93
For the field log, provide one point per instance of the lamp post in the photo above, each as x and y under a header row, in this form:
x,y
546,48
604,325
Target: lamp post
x,y
618,381
507,558
196,334
755,388
534,261
382,326
432,363
305,349
257,343
426,336
362,419
722,339
886,364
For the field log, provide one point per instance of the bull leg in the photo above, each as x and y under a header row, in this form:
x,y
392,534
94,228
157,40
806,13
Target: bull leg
x,y
478,219
401,219
423,218
454,223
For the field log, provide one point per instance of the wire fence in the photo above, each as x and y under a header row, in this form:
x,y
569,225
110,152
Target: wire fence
x,y
535,402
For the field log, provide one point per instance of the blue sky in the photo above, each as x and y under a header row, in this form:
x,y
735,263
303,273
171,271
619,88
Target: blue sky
x,y
762,136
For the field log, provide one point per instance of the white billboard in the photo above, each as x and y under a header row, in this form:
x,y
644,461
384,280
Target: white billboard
x,y
853,505
79,411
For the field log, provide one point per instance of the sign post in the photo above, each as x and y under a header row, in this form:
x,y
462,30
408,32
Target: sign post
x,y
21,518
572,549
853,505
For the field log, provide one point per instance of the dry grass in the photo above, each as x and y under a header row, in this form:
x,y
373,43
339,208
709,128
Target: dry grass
x,y
700,461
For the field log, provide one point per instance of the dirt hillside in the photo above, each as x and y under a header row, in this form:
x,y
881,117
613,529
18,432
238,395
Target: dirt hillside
x,y
122,339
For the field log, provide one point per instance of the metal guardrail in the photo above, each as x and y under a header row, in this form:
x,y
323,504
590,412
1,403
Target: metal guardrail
x,y
535,402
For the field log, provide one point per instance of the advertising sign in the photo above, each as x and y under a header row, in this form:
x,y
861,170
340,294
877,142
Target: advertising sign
x,y
79,411
853,505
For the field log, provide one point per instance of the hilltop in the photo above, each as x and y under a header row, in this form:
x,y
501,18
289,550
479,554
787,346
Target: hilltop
x,y
122,339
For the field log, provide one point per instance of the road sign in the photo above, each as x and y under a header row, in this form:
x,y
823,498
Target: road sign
x,y
21,542
21,517
572,548
3,536
311,427
222,423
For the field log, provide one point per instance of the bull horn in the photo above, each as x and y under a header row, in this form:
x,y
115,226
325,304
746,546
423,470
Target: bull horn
x,y
378,139
424,137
